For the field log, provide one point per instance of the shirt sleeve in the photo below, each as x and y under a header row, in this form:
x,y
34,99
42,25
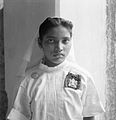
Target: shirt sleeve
x,y
21,108
91,101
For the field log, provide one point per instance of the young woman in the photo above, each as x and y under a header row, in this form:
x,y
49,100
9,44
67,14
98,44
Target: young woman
x,y
56,89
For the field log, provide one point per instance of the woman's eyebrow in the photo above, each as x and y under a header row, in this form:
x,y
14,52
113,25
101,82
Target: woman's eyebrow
x,y
56,37
66,37
51,36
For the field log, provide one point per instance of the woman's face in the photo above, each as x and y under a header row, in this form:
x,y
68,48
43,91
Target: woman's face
x,y
56,45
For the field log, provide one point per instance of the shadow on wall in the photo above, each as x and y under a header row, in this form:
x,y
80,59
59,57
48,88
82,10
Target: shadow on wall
x,y
3,95
21,18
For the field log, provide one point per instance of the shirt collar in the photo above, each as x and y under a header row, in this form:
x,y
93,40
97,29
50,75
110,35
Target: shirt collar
x,y
51,69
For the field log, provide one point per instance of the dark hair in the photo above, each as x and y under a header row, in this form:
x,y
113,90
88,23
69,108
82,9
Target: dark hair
x,y
54,22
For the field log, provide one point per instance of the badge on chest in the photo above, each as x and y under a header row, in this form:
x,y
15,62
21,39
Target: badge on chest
x,y
72,81
35,75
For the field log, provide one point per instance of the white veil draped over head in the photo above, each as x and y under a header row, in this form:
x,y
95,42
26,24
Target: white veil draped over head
x,y
34,55
1,4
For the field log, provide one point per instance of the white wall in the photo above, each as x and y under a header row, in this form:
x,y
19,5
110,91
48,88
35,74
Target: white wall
x,y
88,17
21,18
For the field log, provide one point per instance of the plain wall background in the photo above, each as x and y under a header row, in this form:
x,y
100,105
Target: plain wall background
x,y
22,18
89,18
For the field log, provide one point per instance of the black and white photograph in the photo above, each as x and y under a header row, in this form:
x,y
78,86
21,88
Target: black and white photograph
x,y
57,60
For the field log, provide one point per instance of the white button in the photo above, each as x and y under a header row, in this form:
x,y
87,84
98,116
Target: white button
x,y
34,75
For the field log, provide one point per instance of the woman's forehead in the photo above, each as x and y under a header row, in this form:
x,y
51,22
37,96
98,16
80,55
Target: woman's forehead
x,y
59,31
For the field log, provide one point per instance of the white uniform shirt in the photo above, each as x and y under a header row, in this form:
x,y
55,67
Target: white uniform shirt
x,y
64,92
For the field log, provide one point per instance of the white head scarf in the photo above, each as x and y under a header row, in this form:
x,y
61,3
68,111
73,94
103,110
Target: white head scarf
x,y
34,54
1,4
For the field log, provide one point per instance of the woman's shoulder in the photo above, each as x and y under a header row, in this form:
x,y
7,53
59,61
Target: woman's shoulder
x,y
78,70
32,72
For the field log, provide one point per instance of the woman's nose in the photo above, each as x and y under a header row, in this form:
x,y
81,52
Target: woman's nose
x,y
58,47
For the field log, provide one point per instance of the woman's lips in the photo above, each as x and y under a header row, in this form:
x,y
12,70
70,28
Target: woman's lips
x,y
58,55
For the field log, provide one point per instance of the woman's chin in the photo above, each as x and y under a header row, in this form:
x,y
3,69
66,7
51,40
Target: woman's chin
x,y
55,61
58,61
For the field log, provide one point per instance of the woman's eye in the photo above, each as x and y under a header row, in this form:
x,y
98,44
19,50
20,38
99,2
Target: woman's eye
x,y
50,40
66,41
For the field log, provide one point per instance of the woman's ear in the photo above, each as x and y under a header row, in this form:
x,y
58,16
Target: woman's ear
x,y
39,42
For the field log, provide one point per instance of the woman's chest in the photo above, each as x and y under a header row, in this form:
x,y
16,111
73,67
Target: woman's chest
x,y
57,88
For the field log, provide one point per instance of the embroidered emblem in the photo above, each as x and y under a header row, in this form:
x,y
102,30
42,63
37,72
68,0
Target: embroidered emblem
x,y
34,75
73,81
